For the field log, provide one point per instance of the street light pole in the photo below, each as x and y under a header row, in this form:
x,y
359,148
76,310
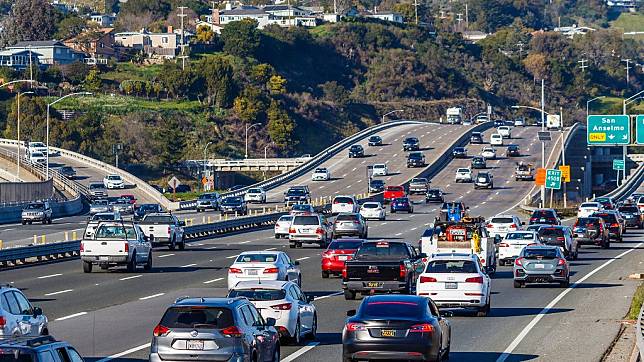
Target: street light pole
x,y
388,113
588,104
18,134
248,127
205,160
626,102
563,156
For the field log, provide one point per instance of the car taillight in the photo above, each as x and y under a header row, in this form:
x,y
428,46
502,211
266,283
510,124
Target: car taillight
x,y
169,230
319,231
160,331
356,221
403,271
478,280
231,331
284,306
352,327
560,238
291,230
561,261
614,225
350,203
234,271
421,328
427,280
271,271
327,254
518,262
344,272
533,219
505,245
514,226
127,247
489,226
82,247
336,202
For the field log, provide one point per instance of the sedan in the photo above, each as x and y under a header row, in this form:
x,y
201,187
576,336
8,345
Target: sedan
x,y
434,195
541,264
375,141
123,206
376,186
402,204
510,248
476,138
352,224
560,236
263,265
356,151
321,174
233,205
67,172
396,327
488,153
338,252
282,225
293,311
484,180
478,162
373,210
459,152
512,151
504,131
588,208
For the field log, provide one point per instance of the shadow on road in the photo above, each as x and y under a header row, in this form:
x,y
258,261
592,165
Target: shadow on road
x,y
519,312
329,339
488,356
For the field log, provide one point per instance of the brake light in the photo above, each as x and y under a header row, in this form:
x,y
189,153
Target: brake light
x,y
427,280
478,280
3,321
291,230
352,327
234,271
344,272
403,271
489,226
231,331
513,226
614,225
561,261
82,247
519,262
284,306
560,238
127,247
336,202
505,245
350,203
169,230
327,254
421,328
271,271
160,331
319,231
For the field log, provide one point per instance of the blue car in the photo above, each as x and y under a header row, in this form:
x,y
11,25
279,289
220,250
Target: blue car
x,y
402,204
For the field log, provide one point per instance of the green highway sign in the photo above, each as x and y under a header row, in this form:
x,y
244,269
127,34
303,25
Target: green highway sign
x,y
639,129
604,130
618,165
553,179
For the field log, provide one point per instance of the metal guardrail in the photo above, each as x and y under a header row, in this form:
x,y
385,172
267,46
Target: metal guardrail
x,y
631,185
639,330
62,249
256,162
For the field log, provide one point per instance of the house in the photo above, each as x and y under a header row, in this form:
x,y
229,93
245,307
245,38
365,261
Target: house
x,y
624,5
163,45
19,59
282,15
103,20
216,28
244,12
50,51
474,35
388,16
286,11
98,44
571,31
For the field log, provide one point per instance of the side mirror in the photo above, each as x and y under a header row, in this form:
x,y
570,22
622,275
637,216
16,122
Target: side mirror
x,y
37,311
270,322
297,263
522,222
447,314
351,313
310,298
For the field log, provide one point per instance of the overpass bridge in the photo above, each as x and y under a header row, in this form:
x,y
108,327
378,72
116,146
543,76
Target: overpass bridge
x,y
252,164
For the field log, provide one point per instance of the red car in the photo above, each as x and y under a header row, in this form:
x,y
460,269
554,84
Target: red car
x,y
336,254
131,198
393,192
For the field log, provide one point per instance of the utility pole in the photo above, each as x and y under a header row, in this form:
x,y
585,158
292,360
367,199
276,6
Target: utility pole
x,y
582,64
563,156
183,45
335,7
520,45
459,19
212,12
628,68
467,17
416,10
543,143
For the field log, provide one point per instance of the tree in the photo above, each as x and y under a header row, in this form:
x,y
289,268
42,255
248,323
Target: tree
x,y
92,81
218,76
176,80
29,20
537,65
261,73
241,38
280,126
277,85
33,111
249,105
172,137
75,72
69,27
205,34
127,86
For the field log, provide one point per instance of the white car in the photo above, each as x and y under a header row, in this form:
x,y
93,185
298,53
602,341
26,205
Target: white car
x,y
380,169
282,225
463,174
298,209
488,153
344,203
37,147
588,208
321,174
263,265
496,139
519,122
502,224
514,242
113,182
373,210
504,131
456,281
37,157
293,311
256,194
481,118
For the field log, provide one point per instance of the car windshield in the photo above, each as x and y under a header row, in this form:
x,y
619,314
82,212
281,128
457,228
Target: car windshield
x,y
96,186
540,253
114,177
115,232
433,193
459,149
370,205
451,266
394,188
629,209
513,147
302,207
296,192
103,217
206,197
320,170
379,166
8,354
415,156
419,180
197,317
148,207
37,154
285,218
401,200
254,191
411,140
519,236
356,148
347,217
306,220
100,203
390,308
377,183
256,258
463,170
502,220
232,200
35,206
382,250
258,295
159,219
345,244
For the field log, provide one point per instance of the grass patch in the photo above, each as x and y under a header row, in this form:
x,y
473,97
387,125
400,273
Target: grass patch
x,y
636,303
119,104
183,196
130,71
629,22
614,105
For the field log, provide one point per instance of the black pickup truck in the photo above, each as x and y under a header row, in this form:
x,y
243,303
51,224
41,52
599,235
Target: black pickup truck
x,y
381,267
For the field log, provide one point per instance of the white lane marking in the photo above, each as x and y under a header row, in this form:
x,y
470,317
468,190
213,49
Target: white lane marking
x,y
484,202
345,175
59,292
414,228
321,187
212,281
303,258
363,162
188,265
299,352
360,180
165,255
70,316
507,182
49,276
508,351
196,244
398,234
337,192
232,256
132,277
468,191
329,296
395,155
270,249
410,216
125,353
348,186
497,192
152,296
384,223
212,247
380,149
355,168
246,242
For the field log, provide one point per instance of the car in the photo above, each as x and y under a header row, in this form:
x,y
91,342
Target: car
x,y
20,318
129,198
116,244
606,202
459,152
37,158
37,147
263,265
282,225
418,185
350,224
467,122
510,247
634,197
482,118
113,182
309,229
255,195
298,209
523,171
512,151
632,216
37,349
498,123
615,227
356,151
97,190
502,224
67,172
416,159
411,144
338,252
100,205
478,162
37,212
123,206
164,228
344,203
561,236
484,180
496,139
94,220
519,122
321,174
373,210
145,209
476,138
294,312
376,185
208,201
588,208
296,195
504,131
541,264
401,204
379,169
396,327
545,216
434,195
463,174
489,153
233,205
375,141
392,192
214,329
456,281
535,227
589,230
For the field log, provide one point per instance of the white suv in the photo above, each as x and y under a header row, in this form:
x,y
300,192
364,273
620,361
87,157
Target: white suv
x,y
504,131
309,229
463,174
588,208
344,203
502,224
256,194
20,317
113,182
380,169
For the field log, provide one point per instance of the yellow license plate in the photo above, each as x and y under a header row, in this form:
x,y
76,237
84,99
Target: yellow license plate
x,y
373,285
388,333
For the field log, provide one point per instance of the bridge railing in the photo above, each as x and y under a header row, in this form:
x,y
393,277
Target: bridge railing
x,y
639,337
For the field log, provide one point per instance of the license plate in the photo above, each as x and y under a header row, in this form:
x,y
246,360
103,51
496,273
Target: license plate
x,y
103,258
374,285
194,345
387,333
251,272
542,220
343,257
451,285
539,266
306,230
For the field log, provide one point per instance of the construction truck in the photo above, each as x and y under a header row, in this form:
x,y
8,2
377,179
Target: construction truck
x,y
468,236
524,171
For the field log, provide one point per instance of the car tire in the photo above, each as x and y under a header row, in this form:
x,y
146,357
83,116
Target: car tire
x,y
325,274
172,245
182,245
49,221
296,338
148,264
349,295
24,222
445,356
565,284
314,328
87,267
517,284
131,266
606,244
483,312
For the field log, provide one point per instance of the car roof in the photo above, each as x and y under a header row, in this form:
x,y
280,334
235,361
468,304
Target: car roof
x,y
452,256
262,252
264,284
502,215
209,301
542,246
395,298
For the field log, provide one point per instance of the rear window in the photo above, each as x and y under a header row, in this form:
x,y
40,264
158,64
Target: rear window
x,y
96,186
419,180
256,258
153,219
589,204
345,244
104,217
232,200
394,188
386,309
551,232
379,166
583,221
342,200
415,155
451,266
382,250
540,253
377,182
519,236
543,213
369,205
302,207
115,232
254,191
610,218
343,217
8,355
501,220
463,170
197,317
629,209
306,220
258,294
320,170
285,218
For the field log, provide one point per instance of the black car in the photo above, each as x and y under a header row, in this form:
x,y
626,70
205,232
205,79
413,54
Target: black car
x,y
376,185
375,141
484,180
591,230
356,151
396,327
145,209
615,231
476,138
512,151
416,159
478,162
632,215
434,195
233,205
67,172
459,152
411,144
499,123
545,216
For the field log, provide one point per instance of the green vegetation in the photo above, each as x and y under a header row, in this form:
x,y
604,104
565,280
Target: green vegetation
x,y
628,22
132,71
614,105
120,104
636,303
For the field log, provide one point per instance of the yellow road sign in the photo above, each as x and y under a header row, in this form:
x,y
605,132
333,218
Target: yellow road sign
x,y
565,173
597,137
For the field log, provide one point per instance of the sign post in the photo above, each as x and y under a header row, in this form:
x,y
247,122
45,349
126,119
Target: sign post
x,y
553,179
174,183
608,130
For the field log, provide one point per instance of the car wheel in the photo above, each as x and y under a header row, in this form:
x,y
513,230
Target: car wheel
x,y
131,266
314,328
87,267
606,244
277,236
44,221
325,274
296,338
49,221
24,222
518,284
148,264
565,284
483,312
182,245
447,351
349,295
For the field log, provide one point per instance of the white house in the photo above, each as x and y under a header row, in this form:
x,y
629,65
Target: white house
x,y
571,31
103,20
388,16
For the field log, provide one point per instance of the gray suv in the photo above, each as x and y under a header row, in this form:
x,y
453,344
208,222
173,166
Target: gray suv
x,y
214,329
20,317
350,224
37,349
208,201
37,211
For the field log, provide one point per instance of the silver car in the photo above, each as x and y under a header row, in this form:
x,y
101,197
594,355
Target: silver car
x,y
541,264
123,206
350,224
207,201
20,317
102,205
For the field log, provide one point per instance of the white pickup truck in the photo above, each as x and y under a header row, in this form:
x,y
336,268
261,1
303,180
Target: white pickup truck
x,y
164,228
116,244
